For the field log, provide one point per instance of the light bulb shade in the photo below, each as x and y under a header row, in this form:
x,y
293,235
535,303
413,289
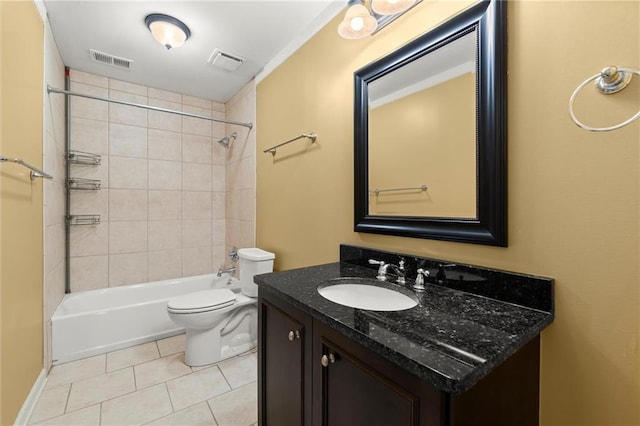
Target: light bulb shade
x,y
167,30
391,7
357,23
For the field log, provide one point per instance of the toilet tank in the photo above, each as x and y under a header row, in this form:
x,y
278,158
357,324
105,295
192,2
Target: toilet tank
x,y
253,261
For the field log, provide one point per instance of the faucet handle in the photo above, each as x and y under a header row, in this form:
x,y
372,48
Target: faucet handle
x,y
419,283
382,270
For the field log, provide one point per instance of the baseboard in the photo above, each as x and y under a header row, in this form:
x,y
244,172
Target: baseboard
x,y
32,399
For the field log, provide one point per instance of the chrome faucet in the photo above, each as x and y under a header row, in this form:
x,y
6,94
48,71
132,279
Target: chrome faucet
x,y
418,285
382,270
230,270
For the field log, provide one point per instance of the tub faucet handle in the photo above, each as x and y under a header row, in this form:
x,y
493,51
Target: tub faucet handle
x,y
233,254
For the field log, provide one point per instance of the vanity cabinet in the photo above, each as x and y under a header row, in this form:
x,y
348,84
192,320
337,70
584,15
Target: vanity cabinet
x,y
311,374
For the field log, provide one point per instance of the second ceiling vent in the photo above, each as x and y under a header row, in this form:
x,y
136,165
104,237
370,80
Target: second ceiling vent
x,y
226,61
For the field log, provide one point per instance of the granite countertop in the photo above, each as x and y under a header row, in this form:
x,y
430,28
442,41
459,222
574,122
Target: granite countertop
x,y
451,339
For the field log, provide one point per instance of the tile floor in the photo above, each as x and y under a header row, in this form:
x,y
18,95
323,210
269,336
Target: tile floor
x,y
149,384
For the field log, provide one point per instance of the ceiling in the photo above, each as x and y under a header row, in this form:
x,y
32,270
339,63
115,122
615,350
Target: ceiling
x,y
260,31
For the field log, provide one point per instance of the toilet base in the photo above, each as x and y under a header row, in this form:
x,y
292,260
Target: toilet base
x,y
202,347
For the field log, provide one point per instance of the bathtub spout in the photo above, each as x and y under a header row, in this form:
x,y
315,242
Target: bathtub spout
x,y
230,270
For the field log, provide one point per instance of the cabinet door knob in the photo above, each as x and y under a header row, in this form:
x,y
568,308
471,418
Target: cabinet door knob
x,y
326,360
293,335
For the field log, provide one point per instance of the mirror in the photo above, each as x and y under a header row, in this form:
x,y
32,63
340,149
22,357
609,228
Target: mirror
x,y
430,133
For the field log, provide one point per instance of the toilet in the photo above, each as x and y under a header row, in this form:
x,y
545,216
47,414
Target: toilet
x,y
222,323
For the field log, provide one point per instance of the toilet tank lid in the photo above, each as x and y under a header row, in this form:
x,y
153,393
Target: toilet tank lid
x,y
255,254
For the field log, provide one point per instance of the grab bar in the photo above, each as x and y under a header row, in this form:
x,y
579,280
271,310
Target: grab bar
x,y
311,136
35,172
421,188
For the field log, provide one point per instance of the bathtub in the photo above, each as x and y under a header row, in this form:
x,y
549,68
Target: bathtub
x,y
98,321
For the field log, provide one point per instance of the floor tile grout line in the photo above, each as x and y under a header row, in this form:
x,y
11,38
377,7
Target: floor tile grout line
x,y
211,411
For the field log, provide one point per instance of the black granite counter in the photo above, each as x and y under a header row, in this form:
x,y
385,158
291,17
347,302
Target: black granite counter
x,y
451,339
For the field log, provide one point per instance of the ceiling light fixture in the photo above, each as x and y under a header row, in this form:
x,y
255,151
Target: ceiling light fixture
x,y
357,22
167,30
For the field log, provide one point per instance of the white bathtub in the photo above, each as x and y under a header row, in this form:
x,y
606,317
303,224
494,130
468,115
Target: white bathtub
x,y
98,321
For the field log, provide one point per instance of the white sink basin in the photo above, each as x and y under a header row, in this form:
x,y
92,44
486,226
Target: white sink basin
x,y
368,294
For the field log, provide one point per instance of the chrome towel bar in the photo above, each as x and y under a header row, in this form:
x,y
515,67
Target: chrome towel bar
x,y
311,136
35,172
420,188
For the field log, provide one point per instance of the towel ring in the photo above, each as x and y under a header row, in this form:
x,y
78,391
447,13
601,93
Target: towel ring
x,y
608,81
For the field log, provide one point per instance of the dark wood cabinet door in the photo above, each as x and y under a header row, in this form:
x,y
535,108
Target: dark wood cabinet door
x,y
354,387
282,375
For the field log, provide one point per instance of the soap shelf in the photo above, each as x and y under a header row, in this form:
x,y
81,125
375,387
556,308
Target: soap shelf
x,y
84,158
84,184
84,219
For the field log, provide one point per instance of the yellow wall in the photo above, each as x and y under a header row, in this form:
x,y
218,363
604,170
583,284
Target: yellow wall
x,y
434,145
21,358
573,195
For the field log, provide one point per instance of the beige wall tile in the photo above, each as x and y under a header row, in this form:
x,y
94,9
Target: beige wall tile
x,y
196,233
165,175
127,204
196,205
218,129
196,126
128,268
196,261
90,202
89,108
164,265
218,232
165,145
218,178
128,173
165,234
196,102
127,237
164,95
125,114
89,240
165,120
90,135
127,141
87,78
89,272
123,86
196,177
165,205
219,257
196,149
218,205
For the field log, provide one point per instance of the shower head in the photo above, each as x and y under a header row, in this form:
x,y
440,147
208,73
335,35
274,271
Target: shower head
x,y
226,141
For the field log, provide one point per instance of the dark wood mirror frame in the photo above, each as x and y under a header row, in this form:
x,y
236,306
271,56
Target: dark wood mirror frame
x,y
489,18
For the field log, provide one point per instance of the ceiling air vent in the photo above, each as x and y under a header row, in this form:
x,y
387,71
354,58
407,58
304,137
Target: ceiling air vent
x,y
112,60
225,61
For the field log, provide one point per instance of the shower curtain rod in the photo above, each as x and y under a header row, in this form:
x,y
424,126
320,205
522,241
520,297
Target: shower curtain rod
x,y
153,108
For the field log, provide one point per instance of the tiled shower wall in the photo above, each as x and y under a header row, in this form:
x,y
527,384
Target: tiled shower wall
x,y
163,201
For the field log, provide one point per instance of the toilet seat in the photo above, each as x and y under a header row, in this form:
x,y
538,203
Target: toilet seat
x,y
202,301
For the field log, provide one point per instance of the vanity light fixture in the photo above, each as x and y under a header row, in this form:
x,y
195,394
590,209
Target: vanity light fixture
x,y
358,21
391,7
167,30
